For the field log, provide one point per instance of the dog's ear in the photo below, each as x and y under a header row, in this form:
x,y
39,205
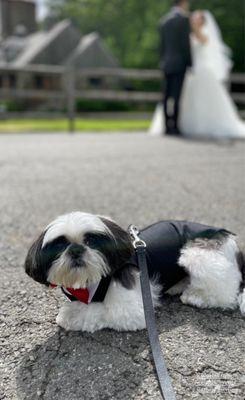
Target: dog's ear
x,y
34,261
123,244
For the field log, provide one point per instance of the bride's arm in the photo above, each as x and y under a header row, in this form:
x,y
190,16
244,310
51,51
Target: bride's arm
x,y
199,35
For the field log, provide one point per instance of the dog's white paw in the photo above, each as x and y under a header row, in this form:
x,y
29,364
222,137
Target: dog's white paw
x,y
178,288
71,316
193,298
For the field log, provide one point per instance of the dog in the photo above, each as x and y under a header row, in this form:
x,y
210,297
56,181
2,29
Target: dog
x,y
93,260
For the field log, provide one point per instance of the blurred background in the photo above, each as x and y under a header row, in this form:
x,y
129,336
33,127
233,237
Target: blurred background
x,y
95,60
93,66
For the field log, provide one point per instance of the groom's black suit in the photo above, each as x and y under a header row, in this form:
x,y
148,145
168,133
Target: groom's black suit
x,y
175,58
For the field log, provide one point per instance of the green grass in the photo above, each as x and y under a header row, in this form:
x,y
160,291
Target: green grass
x,y
81,125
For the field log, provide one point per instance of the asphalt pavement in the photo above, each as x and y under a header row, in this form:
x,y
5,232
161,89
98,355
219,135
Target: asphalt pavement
x,y
134,179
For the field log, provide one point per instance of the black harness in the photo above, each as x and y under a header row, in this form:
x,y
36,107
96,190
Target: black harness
x,y
164,241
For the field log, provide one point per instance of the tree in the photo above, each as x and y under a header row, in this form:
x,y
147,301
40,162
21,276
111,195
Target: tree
x,y
130,26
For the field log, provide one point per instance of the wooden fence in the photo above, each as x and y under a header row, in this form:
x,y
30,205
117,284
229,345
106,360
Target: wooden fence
x,y
68,92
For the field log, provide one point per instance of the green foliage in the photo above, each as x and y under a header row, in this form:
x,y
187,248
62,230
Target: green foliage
x,y
101,105
12,105
130,26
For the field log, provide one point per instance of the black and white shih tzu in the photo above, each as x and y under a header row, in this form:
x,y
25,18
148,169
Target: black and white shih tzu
x,y
92,259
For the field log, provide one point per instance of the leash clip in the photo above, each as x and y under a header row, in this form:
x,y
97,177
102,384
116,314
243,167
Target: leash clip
x,y
134,233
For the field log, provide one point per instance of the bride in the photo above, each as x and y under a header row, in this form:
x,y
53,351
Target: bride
x,y
207,109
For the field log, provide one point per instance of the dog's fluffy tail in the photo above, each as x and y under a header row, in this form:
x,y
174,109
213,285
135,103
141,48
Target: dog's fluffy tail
x,y
241,297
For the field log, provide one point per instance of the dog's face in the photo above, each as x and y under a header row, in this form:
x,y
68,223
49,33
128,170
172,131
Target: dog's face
x,y
77,250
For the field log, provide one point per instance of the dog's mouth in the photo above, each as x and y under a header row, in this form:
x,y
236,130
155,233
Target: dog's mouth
x,y
72,274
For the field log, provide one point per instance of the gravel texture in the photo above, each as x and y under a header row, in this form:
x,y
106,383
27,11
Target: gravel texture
x,y
134,179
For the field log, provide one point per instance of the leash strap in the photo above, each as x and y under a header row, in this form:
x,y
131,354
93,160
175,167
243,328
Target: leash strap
x,y
164,380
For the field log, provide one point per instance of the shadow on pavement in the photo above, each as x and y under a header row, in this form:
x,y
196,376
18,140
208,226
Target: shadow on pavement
x,y
77,365
111,365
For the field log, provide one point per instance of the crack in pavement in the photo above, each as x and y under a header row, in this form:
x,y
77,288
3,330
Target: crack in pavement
x,y
120,350
207,367
44,384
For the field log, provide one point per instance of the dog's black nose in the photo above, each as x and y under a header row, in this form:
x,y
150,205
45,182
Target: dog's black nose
x,y
76,250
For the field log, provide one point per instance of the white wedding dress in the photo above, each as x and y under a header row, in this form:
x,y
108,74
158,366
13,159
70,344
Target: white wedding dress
x,y
206,108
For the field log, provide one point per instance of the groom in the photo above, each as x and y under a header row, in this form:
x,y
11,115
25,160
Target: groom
x,y
175,58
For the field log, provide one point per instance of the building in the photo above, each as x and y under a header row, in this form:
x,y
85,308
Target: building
x,y
22,45
15,13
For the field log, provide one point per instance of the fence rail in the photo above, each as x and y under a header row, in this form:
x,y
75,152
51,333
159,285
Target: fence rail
x,y
68,93
143,74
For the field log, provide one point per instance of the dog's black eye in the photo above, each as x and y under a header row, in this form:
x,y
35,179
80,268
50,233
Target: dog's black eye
x,y
59,242
54,249
94,240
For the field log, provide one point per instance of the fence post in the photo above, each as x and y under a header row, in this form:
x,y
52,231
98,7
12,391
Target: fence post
x,y
70,97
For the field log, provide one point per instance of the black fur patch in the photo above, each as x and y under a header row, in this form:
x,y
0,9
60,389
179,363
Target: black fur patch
x,y
39,260
126,276
117,252
241,263
208,239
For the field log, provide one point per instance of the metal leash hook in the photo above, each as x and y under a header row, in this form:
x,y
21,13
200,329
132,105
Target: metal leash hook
x,y
164,380
134,233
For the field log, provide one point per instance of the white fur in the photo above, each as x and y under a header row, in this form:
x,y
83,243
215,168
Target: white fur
x,y
121,310
62,275
74,225
214,275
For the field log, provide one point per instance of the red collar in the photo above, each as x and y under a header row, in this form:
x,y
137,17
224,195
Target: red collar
x,y
77,294
82,295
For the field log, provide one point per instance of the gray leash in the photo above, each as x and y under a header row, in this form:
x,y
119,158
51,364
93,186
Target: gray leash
x,y
164,380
